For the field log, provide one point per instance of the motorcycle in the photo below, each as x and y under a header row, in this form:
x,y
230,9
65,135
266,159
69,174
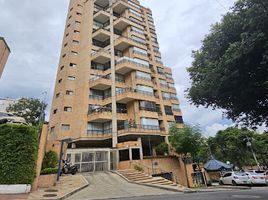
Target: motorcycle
x,y
68,168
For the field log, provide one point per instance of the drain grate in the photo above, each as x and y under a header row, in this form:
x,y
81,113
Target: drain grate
x,y
49,195
51,190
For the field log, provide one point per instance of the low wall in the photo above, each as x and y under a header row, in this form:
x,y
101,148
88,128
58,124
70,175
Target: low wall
x,y
15,189
46,181
169,164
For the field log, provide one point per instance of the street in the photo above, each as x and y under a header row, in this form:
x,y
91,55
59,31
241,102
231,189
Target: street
x,y
254,193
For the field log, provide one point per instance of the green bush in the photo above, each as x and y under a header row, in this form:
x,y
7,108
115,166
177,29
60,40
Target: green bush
x,y
50,160
162,148
138,168
49,171
18,154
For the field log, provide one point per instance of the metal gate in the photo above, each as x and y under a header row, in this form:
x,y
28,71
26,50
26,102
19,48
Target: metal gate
x,y
89,161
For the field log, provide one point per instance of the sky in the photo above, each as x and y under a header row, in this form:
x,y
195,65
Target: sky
x,y
34,31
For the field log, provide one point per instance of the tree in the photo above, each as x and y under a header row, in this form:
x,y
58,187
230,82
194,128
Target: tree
x,y
230,145
186,140
230,71
32,110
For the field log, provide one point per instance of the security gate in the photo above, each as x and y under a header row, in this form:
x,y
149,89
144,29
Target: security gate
x,y
90,160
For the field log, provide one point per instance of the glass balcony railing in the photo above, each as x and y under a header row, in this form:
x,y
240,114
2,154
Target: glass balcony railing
x,y
143,78
139,128
131,90
130,60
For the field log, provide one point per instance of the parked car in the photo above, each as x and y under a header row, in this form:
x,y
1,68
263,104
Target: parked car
x,y
235,178
257,171
10,118
256,178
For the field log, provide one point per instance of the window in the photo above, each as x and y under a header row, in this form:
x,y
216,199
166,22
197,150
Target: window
x,y
135,5
52,129
68,109
173,96
79,5
178,119
163,83
176,107
78,13
160,70
138,39
75,42
143,75
69,92
149,123
77,22
171,85
59,81
71,78
140,31
67,34
148,106
135,12
71,8
136,21
142,62
65,127
68,25
74,53
168,110
63,55
55,111
169,76
140,51
166,95
70,16
145,89
65,45
72,65
76,31
61,68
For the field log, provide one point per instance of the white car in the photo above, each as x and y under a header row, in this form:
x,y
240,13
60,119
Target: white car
x,y
235,178
256,179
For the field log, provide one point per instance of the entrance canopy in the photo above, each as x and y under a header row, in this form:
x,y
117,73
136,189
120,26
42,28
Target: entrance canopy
x,y
216,165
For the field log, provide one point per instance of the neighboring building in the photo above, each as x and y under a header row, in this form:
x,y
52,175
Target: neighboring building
x,y
5,103
113,95
4,53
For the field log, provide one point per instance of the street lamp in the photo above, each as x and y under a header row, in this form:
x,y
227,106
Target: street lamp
x,y
67,140
249,145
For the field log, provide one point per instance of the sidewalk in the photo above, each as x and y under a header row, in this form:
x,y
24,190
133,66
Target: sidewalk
x,y
66,187
14,197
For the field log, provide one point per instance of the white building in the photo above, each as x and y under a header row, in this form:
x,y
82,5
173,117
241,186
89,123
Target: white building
x,y
5,103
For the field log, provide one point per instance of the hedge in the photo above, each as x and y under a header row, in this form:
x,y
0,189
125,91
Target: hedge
x,y
50,160
49,171
18,153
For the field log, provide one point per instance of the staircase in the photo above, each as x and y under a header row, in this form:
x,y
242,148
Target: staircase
x,y
141,178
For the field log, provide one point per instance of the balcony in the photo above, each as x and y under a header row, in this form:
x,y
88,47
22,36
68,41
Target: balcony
x,y
140,130
98,99
104,82
120,6
129,94
99,134
102,34
101,16
122,23
126,65
104,115
101,3
102,56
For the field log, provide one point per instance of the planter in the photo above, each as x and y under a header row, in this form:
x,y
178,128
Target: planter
x,y
46,181
15,189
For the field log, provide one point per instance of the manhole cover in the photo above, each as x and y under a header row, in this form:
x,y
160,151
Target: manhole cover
x,y
51,190
49,195
246,197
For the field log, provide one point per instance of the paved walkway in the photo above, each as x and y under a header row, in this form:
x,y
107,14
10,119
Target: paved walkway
x,y
105,185
67,186
14,197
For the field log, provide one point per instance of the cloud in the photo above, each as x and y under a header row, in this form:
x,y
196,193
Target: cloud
x,y
214,128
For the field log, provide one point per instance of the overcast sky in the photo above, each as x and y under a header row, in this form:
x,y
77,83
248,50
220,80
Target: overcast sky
x,y
34,30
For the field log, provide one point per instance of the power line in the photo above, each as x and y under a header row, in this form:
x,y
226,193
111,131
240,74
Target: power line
x,y
221,5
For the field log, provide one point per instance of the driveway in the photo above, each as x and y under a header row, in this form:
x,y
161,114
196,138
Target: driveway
x,y
104,185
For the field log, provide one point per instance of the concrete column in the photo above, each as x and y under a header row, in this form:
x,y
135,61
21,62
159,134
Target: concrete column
x,y
114,112
130,153
141,152
109,160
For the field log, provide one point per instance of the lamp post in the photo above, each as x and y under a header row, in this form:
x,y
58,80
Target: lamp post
x,y
67,140
249,145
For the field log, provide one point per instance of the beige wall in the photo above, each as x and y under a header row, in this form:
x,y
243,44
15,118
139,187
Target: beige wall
x,y
4,53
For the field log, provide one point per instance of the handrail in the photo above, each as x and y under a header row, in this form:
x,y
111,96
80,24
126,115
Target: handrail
x,y
151,172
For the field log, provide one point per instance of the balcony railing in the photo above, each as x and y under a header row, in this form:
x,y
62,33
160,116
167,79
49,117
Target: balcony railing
x,y
107,109
129,60
136,128
150,109
127,90
105,132
143,78
99,97
117,79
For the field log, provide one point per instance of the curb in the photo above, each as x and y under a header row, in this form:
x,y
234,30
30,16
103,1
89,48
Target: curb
x,y
74,191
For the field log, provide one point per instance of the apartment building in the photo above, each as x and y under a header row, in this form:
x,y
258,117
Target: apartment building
x,y
4,53
113,95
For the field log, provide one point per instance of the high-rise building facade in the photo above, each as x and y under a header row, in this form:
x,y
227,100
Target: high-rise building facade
x,y
4,53
112,90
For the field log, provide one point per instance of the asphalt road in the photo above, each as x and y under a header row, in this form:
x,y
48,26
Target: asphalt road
x,y
255,193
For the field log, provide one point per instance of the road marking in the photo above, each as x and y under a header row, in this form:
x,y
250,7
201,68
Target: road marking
x,y
246,197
